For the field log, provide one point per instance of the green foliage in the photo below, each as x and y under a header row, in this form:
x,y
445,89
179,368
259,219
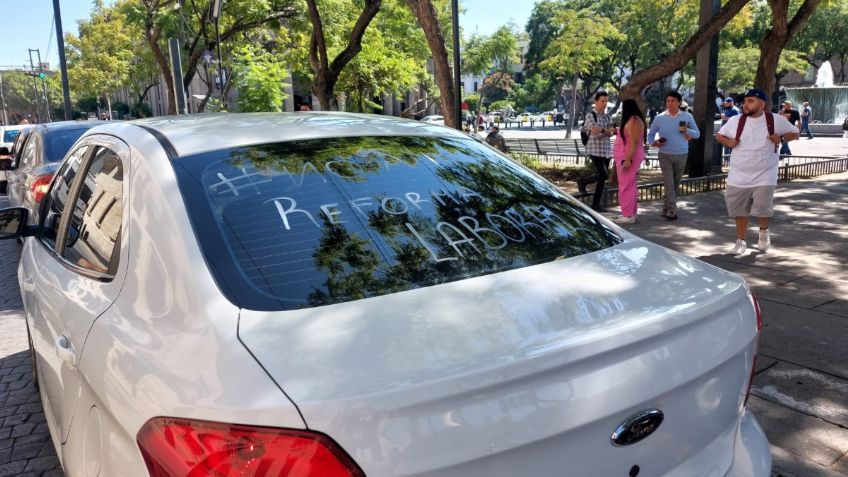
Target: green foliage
x,y
259,76
537,91
99,59
500,105
825,36
499,51
737,67
473,101
580,43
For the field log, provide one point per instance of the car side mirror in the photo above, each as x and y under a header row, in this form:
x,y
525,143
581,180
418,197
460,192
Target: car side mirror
x,y
13,223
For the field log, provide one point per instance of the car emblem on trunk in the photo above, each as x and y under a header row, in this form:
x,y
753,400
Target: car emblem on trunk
x,y
637,427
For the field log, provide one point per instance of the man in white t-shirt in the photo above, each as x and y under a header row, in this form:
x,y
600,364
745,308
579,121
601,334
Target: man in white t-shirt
x,y
753,165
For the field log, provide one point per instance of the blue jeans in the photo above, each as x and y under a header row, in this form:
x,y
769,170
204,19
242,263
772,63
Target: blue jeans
x,y
805,127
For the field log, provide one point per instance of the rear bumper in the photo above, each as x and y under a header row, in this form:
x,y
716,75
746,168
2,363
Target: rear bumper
x,y
752,455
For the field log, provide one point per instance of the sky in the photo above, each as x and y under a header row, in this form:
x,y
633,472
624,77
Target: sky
x,y
29,24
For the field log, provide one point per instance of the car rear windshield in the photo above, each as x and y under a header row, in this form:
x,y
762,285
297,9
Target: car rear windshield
x,y
311,223
57,143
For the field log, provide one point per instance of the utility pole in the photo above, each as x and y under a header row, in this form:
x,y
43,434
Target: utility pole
x,y
63,67
35,87
457,107
44,86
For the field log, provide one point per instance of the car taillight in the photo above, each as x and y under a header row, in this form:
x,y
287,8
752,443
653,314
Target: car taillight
x,y
759,315
40,186
183,448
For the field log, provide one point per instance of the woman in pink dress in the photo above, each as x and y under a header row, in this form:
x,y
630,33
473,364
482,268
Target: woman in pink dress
x,y
628,154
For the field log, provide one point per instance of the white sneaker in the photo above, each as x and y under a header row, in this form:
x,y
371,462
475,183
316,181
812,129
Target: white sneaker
x,y
764,241
739,248
625,220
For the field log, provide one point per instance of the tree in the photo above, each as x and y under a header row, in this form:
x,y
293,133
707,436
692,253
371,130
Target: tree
x,y
497,86
327,72
259,76
825,36
579,44
776,38
683,54
737,67
191,20
99,59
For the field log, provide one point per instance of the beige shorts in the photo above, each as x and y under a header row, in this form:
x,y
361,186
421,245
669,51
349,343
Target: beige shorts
x,y
755,201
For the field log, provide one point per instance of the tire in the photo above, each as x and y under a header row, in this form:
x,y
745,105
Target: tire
x,y
32,360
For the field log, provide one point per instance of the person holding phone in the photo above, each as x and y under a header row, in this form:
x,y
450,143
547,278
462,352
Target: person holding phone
x,y
671,132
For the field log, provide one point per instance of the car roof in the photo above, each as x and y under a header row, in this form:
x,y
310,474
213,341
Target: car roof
x,y
67,125
196,133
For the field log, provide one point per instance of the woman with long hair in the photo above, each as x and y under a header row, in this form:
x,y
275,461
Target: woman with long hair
x,y
628,154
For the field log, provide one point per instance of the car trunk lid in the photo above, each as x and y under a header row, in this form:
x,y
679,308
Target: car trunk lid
x,y
528,371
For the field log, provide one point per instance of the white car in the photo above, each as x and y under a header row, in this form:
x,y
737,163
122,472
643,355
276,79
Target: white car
x,y
8,134
434,119
322,294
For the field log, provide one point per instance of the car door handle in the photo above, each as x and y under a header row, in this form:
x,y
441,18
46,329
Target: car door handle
x,y
28,284
65,350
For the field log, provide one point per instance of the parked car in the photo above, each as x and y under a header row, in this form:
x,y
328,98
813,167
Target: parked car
x,y
8,137
434,119
37,157
350,295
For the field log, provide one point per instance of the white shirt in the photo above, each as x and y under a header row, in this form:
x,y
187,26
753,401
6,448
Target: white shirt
x,y
754,161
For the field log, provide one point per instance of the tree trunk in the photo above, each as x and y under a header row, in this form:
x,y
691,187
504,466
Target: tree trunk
x,y
426,14
678,59
573,108
109,106
326,73
152,34
775,40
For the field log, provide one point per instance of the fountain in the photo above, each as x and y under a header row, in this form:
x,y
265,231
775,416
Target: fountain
x,y
829,102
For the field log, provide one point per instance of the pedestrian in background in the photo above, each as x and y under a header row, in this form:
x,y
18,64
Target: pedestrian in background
x,y
598,124
671,132
794,117
496,140
728,110
753,136
628,154
806,117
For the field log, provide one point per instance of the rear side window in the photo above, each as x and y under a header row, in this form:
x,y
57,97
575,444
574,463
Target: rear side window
x,y
53,205
57,143
95,225
9,135
312,223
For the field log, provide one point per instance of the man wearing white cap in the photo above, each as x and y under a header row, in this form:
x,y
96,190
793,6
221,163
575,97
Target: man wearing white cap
x,y
754,137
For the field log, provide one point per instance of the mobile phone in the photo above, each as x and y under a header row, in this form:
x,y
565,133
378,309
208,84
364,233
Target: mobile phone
x,y
683,124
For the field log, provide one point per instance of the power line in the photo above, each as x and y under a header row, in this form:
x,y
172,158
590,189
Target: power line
x,y
50,38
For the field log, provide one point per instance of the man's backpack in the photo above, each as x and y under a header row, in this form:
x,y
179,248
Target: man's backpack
x,y
769,126
584,132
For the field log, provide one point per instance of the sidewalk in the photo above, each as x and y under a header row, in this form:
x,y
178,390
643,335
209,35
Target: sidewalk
x,y
800,393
